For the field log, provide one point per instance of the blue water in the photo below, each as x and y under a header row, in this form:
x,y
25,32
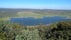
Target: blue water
x,y
35,21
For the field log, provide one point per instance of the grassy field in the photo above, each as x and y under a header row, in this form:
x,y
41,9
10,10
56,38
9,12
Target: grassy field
x,y
37,15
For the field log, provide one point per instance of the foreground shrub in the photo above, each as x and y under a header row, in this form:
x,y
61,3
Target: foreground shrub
x,y
28,35
56,31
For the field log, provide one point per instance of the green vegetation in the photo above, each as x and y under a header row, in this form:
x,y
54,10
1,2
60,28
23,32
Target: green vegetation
x,y
36,13
56,31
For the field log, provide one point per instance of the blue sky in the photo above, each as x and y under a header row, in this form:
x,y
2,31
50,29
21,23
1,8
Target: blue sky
x,y
36,4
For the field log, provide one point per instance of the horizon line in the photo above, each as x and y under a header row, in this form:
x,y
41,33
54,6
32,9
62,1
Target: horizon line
x,y
35,8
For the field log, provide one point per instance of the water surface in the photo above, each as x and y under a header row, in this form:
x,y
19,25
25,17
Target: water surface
x,y
36,21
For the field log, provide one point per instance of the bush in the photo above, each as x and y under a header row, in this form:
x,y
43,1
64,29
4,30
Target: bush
x,y
56,31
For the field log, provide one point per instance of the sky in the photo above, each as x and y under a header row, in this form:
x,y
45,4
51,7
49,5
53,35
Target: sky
x,y
36,4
